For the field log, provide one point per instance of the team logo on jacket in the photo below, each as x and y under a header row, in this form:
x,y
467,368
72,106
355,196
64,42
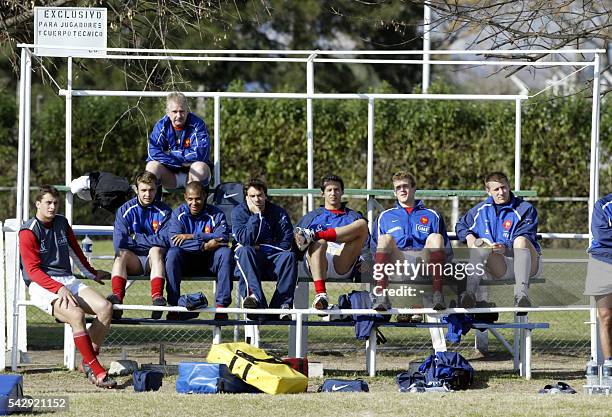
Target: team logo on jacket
x,y
187,143
507,224
155,225
207,229
424,220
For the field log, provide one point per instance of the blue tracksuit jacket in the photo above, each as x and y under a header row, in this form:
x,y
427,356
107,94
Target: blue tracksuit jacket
x,y
601,229
500,223
209,224
410,231
148,226
174,148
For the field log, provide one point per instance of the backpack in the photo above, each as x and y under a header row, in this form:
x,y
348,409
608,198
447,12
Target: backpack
x,y
108,191
225,197
448,368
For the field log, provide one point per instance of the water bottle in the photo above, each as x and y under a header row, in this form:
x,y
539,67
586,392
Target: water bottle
x,y
592,373
606,373
87,246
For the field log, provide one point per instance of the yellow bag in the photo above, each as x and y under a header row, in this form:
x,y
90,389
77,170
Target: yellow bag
x,y
257,368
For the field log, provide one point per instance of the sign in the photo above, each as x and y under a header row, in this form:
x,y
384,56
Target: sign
x,y
80,27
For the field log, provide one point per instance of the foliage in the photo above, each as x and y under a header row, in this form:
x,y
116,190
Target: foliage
x,y
448,144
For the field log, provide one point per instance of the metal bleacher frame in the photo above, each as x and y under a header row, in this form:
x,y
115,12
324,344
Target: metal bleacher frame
x,y
309,59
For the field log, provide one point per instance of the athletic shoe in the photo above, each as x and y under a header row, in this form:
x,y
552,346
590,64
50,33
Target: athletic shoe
x,y
382,303
320,302
303,237
522,301
113,299
285,316
250,302
467,300
102,381
159,302
438,301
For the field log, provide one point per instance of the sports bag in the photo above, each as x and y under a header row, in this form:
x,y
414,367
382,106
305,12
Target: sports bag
x,y
448,368
209,378
193,301
147,380
344,385
258,368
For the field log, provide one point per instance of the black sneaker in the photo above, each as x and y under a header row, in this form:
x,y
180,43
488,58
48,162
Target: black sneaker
x,y
321,302
250,302
285,316
159,302
382,303
113,299
102,382
467,300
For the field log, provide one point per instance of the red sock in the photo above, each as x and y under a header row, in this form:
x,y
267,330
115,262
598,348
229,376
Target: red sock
x,y
382,258
437,259
83,344
319,286
329,235
157,287
118,283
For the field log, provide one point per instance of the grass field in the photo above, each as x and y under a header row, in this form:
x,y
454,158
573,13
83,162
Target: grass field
x,y
497,391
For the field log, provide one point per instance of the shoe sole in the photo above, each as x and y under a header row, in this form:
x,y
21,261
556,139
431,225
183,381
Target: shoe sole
x,y
249,303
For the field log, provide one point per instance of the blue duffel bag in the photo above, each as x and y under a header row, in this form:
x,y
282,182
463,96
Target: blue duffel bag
x,y
209,378
148,380
344,385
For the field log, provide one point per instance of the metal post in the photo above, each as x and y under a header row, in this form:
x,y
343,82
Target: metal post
x,y
19,210
517,145
68,162
27,136
370,163
426,44
594,189
217,141
309,129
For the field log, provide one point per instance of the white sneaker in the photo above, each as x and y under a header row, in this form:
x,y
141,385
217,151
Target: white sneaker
x,y
303,237
321,301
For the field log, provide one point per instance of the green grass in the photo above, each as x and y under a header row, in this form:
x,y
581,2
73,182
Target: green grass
x,y
497,391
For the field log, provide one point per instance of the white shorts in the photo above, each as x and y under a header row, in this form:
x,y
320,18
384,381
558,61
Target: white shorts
x,y
333,249
599,278
412,257
43,298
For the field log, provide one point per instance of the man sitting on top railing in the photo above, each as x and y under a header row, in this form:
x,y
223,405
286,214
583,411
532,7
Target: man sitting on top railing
x,y
333,237
179,146
502,231
46,245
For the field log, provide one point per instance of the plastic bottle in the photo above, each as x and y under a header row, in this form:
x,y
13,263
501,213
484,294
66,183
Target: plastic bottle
x,y
606,373
592,373
87,246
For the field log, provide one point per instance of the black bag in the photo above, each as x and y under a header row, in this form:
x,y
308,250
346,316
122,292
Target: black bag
x,y
448,368
108,191
226,196
344,385
147,380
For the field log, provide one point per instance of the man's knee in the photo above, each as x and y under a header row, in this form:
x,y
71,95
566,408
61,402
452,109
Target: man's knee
x,y
74,316
225,254
362,225
385,242
105,313
173,255
522,242
434,241
156,253
319,247
605,317
154,167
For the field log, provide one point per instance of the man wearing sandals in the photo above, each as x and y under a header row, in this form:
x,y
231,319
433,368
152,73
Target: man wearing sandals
x,y
46,245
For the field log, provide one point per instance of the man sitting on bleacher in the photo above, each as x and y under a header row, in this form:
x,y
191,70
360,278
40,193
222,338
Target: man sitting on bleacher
x,y
401,234
333,237
46,245
199,237
179,146
599,273
264,235
502,231
140,241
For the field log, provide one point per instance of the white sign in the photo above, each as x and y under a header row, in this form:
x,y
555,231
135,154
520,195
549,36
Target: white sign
x,y
79,27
